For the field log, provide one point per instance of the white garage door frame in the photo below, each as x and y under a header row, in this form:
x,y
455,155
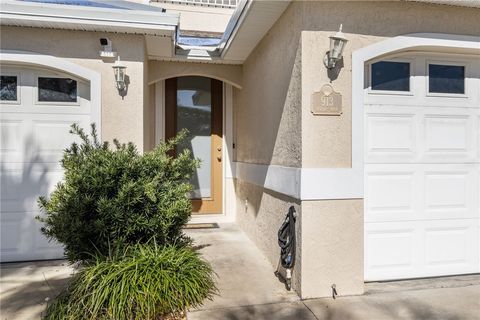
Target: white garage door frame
x,y
46,64
429,42
26,58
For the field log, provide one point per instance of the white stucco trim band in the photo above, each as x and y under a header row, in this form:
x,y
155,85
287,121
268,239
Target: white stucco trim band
x,y
41,60
303,183
285,180
327,184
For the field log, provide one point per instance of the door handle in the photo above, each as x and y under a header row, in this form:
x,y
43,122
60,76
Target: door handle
x,y
219,149
219,158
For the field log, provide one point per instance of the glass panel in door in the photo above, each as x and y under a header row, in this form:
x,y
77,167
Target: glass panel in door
x,y
194,113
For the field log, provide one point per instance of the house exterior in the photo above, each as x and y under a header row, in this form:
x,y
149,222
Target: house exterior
x,y
380,155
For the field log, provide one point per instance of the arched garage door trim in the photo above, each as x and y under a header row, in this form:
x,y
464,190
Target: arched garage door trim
x,y
348,183
37,59
466,46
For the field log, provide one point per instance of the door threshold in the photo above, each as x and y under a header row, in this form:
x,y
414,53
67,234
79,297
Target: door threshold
x,y
191,226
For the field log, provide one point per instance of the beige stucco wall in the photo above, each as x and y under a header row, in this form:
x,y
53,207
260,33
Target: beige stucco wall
x,y
332,247
267,123
288,62
268,108
121,118
260,213
199,19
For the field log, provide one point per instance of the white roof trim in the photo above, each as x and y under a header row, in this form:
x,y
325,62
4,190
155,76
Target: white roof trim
x,y
252,25
458,3
87,18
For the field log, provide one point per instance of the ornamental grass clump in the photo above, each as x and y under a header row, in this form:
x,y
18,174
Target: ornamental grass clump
x,y
140,282
115,197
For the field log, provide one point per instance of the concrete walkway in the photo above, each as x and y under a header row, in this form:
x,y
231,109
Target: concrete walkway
x,y
245,276
249,290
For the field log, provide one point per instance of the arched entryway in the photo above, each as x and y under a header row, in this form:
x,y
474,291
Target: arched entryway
x,y
204,106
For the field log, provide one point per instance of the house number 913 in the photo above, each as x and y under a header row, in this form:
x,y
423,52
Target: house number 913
x,y
326,102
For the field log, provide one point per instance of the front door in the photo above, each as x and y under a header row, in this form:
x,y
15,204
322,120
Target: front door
x,y
195,103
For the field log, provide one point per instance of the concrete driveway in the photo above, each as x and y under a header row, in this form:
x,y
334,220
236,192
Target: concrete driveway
x,y
25,288
456,303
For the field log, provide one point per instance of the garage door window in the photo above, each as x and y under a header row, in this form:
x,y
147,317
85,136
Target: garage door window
x,y
390,76
57,90
446,79
8,88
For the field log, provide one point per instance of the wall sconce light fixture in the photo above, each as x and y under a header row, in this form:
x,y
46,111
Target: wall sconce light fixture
x,y
337,44
119,69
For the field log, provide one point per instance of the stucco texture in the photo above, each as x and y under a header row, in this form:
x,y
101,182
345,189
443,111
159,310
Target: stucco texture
x,y
122,118
332,248
268,108
260,213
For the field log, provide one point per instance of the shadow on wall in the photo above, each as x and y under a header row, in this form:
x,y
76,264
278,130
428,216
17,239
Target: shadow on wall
x,y
335,71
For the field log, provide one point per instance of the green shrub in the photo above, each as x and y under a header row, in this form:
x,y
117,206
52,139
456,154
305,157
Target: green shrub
x,y
140,283
112,197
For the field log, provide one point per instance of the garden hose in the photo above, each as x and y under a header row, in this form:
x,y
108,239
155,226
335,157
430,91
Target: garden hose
x,y
286,240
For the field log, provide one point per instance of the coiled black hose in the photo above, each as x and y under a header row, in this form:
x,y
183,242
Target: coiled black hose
x,y
286,240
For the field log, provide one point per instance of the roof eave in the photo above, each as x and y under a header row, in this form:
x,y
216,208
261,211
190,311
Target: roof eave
x,y
255,21
78,18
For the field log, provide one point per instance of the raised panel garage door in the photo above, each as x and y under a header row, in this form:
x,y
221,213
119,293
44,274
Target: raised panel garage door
x,y
37,108
422,167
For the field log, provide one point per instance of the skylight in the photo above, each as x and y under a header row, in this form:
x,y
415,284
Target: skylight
x,y
198,41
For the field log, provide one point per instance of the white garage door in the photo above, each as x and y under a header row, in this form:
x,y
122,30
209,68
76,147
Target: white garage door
x,y
37,108
422,168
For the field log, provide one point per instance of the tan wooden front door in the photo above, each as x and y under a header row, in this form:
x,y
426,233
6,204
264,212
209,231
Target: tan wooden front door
x,y
195,103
